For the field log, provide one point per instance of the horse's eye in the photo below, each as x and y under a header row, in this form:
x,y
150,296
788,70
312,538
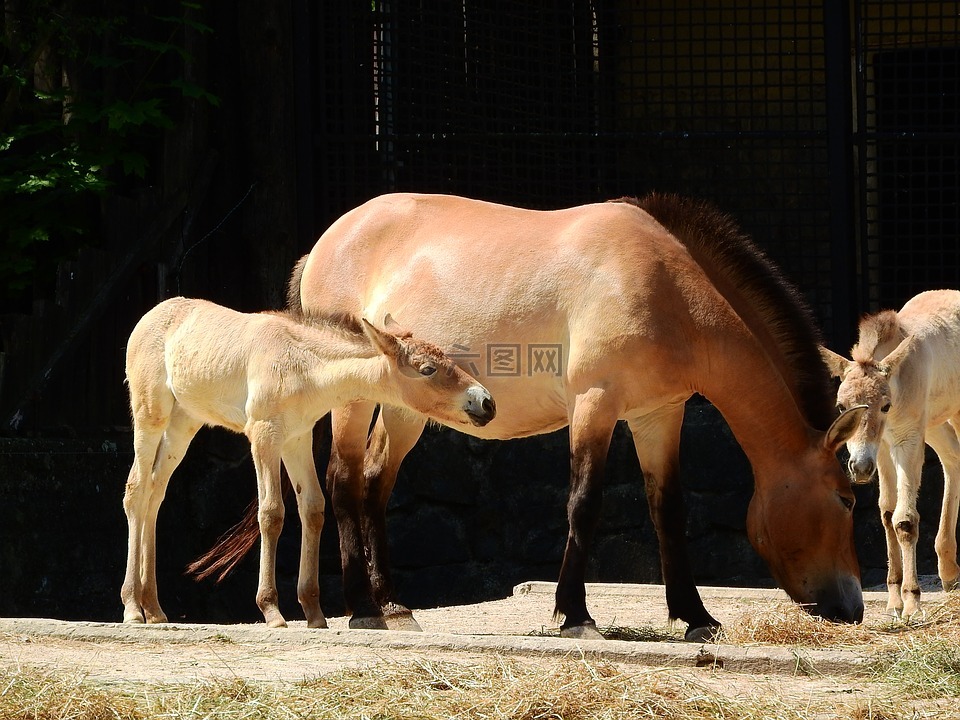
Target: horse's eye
x,y
885,409
848,502
840,408
427,370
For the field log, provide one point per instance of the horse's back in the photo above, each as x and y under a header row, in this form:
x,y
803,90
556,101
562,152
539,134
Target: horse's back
x,y
934,317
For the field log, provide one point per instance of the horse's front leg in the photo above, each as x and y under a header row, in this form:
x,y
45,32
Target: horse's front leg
x,y
345,483
887,485
266,442
943,439
394,435
591,427
298,459
656,438
908,460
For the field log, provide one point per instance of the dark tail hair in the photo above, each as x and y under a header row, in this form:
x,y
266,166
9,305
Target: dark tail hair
x,y
231,547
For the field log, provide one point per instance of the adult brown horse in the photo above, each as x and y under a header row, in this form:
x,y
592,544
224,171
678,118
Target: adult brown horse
x,y
641,304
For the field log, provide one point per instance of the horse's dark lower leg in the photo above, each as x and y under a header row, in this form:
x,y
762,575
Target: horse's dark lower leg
x,y
390,441
668,512
345,484
656,438
590,433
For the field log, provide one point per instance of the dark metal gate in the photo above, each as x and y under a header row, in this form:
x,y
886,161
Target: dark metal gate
x,y
829,129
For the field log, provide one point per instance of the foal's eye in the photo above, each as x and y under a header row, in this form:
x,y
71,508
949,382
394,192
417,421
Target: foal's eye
x,y
840,408
848,502
885,409
427,370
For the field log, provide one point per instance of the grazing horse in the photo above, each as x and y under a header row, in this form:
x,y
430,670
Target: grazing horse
x,y
641,304
271,377
906,370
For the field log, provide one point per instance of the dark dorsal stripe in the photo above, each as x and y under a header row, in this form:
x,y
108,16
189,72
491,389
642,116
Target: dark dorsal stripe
x,y
719,245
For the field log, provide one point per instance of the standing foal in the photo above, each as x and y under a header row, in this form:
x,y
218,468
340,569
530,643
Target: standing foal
x,y
906,370
192,363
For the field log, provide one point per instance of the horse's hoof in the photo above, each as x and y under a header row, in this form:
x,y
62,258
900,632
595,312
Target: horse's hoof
x,y
403,621
133,619
369,622
587,631
702,634
319,623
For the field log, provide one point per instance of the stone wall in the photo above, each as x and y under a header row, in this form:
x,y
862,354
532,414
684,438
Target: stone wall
x,y
468,520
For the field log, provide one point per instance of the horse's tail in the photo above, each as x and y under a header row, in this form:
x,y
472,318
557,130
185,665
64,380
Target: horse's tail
x,y
294,306
230,548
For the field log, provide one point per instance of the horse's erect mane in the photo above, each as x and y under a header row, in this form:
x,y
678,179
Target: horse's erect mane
x,y
764,295
874,331
341,322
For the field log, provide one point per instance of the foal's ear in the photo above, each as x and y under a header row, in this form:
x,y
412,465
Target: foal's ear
x,y
386,343
836,364
843,428
889,365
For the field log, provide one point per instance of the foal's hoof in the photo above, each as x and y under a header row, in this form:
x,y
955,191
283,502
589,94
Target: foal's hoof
x,y
702,634
370,622
586,631
402,621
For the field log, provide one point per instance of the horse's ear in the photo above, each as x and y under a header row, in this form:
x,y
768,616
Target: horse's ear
x,y
843,428
384,342
836,364
889,365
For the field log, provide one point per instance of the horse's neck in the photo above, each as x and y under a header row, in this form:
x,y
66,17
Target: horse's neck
x,y
346,367
756,403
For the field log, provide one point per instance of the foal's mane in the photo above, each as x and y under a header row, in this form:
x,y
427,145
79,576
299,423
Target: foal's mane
x,y
875,330
763,296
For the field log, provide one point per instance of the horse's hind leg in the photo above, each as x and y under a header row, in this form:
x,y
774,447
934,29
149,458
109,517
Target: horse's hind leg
x,y
394,435
298,459
591,428
150,405
656,438
176,439
266,443
943,439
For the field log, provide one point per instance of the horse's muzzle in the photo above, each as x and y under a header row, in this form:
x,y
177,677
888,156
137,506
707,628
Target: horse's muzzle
x,y
861,471
481,407
842,602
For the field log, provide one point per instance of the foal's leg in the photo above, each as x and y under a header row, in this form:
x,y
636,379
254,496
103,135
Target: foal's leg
x,y
943,439
266,442
298,459
591,428
148,427
176,439
394,435
908,458
887,483
657,440
350,426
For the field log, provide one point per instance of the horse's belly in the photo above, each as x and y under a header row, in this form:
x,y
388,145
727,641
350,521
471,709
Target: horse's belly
x,y
525,406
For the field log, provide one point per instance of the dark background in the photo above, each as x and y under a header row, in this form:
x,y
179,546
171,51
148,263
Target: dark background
x,y
828,129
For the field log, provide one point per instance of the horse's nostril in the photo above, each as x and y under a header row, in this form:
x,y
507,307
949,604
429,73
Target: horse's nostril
x,y
489,406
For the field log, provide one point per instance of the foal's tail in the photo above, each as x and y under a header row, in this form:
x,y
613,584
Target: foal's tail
x,y
231,547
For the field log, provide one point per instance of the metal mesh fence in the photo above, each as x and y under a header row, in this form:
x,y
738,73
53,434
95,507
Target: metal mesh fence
x,y
909,130
551,103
